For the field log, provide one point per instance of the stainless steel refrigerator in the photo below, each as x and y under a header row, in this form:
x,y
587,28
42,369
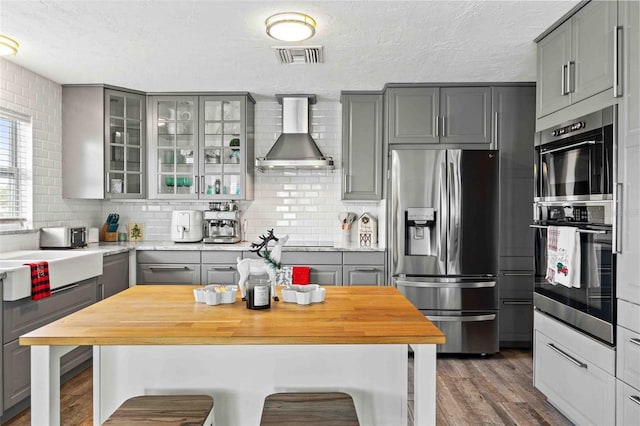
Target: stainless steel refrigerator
x,y
443,241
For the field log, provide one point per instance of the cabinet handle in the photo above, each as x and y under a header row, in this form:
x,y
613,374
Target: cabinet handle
x,y
202,184
617,36
365,269
101,290
571,77
515,274
444,125
61,289
169,268
495,129
567,356
635,398
517,302
563,90
228,268
616,216
635,341
437,125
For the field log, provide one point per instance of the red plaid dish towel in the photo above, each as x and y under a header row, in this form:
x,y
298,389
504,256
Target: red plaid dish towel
x,y
40,285
300,275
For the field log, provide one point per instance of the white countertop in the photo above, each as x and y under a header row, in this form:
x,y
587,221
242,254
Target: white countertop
x,y
115,248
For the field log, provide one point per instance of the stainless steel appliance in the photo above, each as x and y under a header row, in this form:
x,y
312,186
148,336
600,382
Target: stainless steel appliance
x,y
443,240
222,223
591,307
186,226
575,161
63,237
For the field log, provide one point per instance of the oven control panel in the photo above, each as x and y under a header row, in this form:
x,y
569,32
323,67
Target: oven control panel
x,y
568,129
591,214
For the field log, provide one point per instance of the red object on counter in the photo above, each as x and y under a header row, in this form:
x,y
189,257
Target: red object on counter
x,y
40,285
300,275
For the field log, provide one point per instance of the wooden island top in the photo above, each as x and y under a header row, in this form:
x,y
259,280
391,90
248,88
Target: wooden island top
x,y
169,315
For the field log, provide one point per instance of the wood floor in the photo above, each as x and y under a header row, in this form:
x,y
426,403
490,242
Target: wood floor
x,y
495,390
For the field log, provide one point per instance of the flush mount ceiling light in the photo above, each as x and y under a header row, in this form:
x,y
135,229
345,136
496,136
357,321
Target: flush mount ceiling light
x,y
8,46
290,26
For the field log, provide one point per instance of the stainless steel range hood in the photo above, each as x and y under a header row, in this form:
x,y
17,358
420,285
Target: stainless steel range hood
x,y
295,148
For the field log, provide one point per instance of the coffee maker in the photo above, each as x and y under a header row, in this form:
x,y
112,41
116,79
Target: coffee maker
x,y
222,223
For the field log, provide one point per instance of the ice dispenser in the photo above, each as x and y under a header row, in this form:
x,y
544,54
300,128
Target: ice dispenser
x,y
418,224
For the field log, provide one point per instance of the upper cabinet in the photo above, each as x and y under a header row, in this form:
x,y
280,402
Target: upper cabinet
x,y
361,145
201,147
103,142
577,59
453,115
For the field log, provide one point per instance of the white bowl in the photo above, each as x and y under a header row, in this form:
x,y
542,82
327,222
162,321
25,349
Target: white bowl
x,y
289,296
212,298
200,294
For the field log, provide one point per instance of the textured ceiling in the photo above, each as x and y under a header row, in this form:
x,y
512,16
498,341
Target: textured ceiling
x,y
154,45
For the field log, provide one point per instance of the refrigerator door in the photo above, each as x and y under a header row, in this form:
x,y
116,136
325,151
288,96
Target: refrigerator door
x,y
472,178
418,212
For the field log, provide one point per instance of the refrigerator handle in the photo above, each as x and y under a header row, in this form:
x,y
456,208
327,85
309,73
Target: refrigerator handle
x,y
442,244
454,219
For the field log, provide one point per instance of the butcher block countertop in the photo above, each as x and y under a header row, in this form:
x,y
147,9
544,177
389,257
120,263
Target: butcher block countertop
x,y
168,315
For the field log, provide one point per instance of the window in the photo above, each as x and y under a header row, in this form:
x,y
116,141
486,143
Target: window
x,y
16,206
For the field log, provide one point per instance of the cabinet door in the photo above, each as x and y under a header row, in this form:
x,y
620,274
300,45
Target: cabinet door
x,y
517,284
592,49
325,274
466,115
362,147
553,57
628,356
581,390
125,140
165,273
173,147
627,404
220,274
115,274
363,275
413,114
516,323
223,147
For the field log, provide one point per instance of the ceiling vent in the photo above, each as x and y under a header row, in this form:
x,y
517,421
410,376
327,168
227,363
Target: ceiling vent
x,y
299,55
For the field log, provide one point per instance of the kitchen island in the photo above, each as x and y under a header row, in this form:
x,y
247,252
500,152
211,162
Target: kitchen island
x,y
156,339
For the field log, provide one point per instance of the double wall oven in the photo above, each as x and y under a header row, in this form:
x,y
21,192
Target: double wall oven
x,y
574,174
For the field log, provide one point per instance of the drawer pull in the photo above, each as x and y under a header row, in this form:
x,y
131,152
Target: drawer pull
x,y
365,269
453,318
61,289
635,398
168,268
227,268
517,302
511,274
567,356
635,341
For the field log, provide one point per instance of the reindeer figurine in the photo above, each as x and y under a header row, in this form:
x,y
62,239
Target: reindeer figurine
x,y
247,267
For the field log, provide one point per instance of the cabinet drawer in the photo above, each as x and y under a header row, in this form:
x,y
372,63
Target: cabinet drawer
x,y
516,322
628,357
291,258
578,388
363,258
24,315
169,273
325,274
170,256
516,285
363,275
220,274
516,263
627,405
221,256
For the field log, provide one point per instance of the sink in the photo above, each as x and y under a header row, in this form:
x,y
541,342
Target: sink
x,y
65,267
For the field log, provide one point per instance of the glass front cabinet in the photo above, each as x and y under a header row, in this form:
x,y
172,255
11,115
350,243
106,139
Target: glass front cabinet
x,y
201,147
125,118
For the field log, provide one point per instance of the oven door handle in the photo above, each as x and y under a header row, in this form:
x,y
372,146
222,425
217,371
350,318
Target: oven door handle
x,y
469,318
580,230
563,148
432,284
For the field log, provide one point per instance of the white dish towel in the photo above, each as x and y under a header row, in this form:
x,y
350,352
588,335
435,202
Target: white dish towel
x,y
563,256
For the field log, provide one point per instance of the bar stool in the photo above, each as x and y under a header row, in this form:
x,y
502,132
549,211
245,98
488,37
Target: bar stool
x,y
178,410
310,408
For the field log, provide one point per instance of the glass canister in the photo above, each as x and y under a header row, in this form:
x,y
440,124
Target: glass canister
x,y
258,294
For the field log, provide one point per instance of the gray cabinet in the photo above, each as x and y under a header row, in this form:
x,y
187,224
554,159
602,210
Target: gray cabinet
x,y
516,308
115,275
363,268
455,115
361,146
201,147
325,267
575,61
22,316
220,267
103,142
168,267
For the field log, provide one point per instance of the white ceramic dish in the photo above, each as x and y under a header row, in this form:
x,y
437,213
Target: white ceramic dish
x,y
303,294
216,294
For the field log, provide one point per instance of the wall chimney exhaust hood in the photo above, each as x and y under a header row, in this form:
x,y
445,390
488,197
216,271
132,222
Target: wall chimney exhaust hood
x,y
295,148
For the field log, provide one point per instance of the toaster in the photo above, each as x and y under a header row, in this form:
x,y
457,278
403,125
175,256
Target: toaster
x,y
63,237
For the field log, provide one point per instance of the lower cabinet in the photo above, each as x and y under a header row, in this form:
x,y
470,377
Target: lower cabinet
x,y
363,268
325,268
516,306
574,372
115,275
220,267
627,404
628,364
21,316
168,267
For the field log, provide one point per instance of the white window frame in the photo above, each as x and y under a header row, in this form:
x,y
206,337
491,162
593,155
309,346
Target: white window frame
x,y
16,207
